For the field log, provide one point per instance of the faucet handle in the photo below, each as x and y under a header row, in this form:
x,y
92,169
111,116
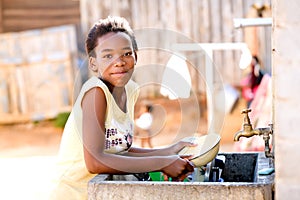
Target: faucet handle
x,y
246,117
246,111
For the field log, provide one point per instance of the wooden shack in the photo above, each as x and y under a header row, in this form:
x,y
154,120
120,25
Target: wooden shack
x,y
36,73
20,15
38,58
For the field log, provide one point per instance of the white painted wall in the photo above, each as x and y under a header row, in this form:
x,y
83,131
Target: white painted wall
x,y
286,87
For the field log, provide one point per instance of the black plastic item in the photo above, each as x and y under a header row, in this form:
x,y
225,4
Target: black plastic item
x,y
142,176
239,167
219,163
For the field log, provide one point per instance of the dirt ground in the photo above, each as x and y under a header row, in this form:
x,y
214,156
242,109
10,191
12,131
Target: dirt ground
x,y
30,139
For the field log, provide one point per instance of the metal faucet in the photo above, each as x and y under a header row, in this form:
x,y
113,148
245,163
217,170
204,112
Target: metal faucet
x,y
248,131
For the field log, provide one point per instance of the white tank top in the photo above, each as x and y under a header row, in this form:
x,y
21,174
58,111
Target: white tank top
x,y
71,169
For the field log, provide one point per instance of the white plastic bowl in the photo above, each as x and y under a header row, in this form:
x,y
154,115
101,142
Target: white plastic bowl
x,y
206,150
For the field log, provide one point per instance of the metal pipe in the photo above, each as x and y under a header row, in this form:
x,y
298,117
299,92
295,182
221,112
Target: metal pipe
x,y
246,22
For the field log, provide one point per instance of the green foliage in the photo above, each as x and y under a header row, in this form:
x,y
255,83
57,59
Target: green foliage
x,y
61,119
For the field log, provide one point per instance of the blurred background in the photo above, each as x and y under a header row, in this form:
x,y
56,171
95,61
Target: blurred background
x,y
43,65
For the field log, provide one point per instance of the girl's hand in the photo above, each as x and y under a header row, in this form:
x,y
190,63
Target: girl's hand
x,y
175,148
189,168
179,168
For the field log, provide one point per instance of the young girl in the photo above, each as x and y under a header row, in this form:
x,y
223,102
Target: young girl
x,y
98,134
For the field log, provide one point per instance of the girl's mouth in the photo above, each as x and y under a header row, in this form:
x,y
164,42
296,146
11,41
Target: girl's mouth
x,y
120,73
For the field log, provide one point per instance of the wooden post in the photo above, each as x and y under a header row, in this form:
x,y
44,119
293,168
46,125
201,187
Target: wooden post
x,y
1,18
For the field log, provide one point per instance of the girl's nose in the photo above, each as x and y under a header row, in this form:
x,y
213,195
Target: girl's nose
x,y
119,62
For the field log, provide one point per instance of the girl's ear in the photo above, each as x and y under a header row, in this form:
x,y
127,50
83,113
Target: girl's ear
x,y
92,64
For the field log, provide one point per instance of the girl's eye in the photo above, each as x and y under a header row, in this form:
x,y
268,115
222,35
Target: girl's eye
x,y
128,53
107,56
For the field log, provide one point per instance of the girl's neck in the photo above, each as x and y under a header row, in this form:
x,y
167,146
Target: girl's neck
x,y
112,88
118,93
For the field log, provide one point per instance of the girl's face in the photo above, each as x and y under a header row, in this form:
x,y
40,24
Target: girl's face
x,y
115,58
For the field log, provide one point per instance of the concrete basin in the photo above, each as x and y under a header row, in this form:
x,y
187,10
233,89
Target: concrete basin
x,y
240,181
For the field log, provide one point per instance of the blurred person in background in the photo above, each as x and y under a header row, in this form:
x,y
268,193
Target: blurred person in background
x,y
251,82
143,125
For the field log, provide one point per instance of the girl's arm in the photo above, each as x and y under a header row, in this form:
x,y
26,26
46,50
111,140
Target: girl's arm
x,y
97,161
170,150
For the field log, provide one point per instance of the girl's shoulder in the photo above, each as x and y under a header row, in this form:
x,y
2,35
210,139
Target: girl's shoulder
x,y
92,83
